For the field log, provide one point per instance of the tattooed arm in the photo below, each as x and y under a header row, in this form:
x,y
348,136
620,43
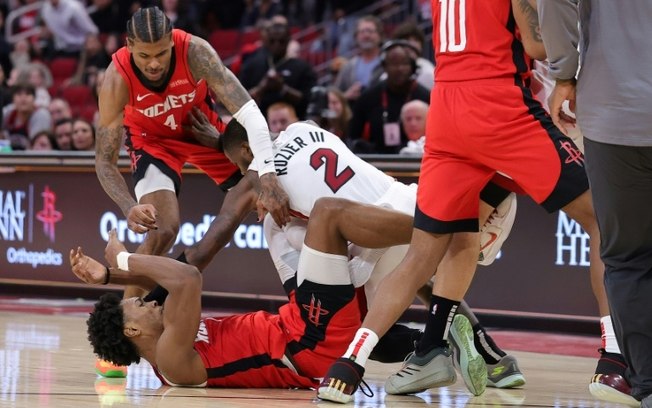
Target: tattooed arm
x,y
205,64
113,97
527,19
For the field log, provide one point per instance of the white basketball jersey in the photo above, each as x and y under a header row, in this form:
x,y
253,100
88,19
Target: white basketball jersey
x,y
312,163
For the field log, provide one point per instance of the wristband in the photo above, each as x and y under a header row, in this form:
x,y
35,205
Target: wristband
x,y
122,259
107,277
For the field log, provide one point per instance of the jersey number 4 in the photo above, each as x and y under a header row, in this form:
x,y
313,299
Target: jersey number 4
x,y
452,25
327,157
171,122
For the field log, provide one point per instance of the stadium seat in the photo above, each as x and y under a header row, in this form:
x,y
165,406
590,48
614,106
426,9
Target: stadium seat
x,y
62,68
225,42
77,95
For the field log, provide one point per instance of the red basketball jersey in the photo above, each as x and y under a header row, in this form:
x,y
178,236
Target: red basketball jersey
x,y
246,351
149,114
476,39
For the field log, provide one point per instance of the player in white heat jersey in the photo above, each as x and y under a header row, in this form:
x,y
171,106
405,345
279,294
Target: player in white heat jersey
x,y
313,163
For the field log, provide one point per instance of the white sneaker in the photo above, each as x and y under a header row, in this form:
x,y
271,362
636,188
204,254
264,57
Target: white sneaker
x,y
496,229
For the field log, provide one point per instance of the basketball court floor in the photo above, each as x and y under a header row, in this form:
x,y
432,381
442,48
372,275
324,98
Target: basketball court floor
x,y
46,361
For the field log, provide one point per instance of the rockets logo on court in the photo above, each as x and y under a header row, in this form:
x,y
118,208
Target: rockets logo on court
x,y
315,311
49,215
573,154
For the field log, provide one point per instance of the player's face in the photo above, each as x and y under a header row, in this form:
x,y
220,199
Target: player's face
x,y
240,156
152,59
147,315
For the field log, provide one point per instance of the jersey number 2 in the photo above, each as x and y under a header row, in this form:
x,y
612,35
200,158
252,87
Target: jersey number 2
x,y
452,30
329,158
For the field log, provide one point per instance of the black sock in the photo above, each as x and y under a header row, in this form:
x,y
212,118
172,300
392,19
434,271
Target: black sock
x,y
486,346
159,293
440,317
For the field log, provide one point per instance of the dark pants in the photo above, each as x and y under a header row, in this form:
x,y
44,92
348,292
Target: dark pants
x,y
621,185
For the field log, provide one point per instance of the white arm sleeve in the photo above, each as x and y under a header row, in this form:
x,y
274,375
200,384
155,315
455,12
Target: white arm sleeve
x,y
284,255
260,142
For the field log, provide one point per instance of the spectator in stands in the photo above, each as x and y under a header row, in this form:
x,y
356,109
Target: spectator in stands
x,y
93,58
43,141
364,69
68,24
329,109
280,115
22,54
63,134
339,106
83,135
5,92
40,77
410,31
22,120
379,107
271,76
59,109
413,119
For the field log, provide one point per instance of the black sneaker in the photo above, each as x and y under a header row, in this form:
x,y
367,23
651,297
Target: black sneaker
x,y
341,381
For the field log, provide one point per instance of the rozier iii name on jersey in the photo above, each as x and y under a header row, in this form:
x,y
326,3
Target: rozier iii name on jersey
x,y
171,102
285,153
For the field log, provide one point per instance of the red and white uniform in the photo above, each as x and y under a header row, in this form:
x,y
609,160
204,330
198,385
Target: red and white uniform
x,y
291,349
154,118
483,119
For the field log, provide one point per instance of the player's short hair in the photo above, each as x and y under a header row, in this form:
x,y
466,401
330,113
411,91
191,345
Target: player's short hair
x,y
234,135
149,25
105,332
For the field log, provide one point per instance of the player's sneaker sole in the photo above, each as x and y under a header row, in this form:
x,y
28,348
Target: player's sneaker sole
x,y
471,364
612,388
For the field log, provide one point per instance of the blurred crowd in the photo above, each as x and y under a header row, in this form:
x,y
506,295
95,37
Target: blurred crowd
x,y
374,93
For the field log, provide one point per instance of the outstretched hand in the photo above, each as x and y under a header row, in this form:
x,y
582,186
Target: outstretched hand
x,y
113,248
274,199
202,129
142,218
86,268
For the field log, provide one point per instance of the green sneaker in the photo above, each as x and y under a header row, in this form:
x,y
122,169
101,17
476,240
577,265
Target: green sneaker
x,y
418,374
470,363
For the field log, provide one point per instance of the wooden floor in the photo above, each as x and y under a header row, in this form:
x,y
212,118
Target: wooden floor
x,y
45,361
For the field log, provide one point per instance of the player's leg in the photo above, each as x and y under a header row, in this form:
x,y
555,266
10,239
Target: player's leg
x,y
623,216
497,214
563,184
156,187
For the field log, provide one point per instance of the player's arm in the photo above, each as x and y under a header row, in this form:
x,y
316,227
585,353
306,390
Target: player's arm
x,y
113,97
527,19
238,203
560,33
205,64
175,355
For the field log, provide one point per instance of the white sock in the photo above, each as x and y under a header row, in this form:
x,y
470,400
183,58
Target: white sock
x,y
362,345
609,343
